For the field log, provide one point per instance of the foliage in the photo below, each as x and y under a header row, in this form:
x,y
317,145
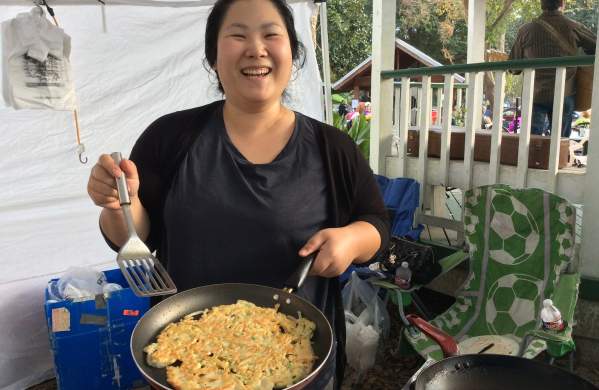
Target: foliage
x,y
338,98
459,116
513,86
350,35
584,11
359,131
436,27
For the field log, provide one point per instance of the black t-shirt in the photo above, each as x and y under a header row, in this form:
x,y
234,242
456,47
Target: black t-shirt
x,y
228,220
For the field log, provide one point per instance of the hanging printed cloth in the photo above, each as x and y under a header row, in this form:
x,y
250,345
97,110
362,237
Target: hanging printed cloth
x,y
35,63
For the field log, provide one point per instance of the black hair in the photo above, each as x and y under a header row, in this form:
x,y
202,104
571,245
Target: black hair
x,y
215,21
551,5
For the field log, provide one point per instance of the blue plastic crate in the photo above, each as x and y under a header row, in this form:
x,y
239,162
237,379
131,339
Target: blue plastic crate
x,y
90,339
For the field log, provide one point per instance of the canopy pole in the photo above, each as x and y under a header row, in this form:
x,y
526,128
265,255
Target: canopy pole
x,y
326,66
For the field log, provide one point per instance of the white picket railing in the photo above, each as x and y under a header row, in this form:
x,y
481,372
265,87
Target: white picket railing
x,y
467,173
389,149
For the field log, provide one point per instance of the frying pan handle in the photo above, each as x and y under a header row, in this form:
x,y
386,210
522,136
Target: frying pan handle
x,y
446,342
296,280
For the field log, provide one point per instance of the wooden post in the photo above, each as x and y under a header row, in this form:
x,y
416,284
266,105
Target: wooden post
x,y
590,217
476,53
476,31
383,54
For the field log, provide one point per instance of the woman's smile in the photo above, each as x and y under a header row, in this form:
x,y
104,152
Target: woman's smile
x,y
256,72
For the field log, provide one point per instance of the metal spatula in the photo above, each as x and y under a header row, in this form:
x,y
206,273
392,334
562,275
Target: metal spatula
x,y
144,273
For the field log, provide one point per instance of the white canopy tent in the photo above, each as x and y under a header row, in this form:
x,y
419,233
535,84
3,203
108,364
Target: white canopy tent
x,y
147,62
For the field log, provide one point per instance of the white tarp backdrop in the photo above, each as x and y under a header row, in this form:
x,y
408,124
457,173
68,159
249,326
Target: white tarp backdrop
x,y
149,62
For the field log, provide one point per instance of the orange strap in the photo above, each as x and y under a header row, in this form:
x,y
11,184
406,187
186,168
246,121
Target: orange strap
x,y
81,147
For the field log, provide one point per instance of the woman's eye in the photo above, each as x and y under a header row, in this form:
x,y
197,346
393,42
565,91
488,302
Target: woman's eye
x,y
237,36
271,35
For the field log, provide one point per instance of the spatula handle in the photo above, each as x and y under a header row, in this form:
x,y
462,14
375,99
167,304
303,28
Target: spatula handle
x,y
121,181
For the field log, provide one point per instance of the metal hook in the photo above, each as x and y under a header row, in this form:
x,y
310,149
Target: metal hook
x,y
80,151
83,160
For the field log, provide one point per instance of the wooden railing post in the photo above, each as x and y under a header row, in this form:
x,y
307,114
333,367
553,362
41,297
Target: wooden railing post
x,y
556,125
473,120
446,131
405,118
425,122
497,131
524,138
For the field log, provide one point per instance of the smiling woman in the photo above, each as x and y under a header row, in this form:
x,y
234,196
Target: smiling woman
x,y
238,190
280,29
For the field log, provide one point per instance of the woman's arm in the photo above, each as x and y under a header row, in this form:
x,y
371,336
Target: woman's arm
x,y
114,228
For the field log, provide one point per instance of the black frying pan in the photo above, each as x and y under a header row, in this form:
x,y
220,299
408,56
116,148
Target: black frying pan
x,y
497,372
176,307
489,372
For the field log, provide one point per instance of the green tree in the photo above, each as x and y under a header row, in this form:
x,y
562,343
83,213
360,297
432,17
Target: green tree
x,y
436,27
350,35
584,11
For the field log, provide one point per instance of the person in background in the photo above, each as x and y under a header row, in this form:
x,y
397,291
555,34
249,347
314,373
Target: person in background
x,y
239,189
487,115
534,40
342,110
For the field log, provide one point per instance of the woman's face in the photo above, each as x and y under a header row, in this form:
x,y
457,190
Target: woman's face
x,y
254,53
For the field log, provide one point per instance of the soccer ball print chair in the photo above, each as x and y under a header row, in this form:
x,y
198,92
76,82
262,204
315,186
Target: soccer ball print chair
x,y
521,246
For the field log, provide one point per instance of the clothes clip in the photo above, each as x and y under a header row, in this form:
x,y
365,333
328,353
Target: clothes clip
x,y
38,4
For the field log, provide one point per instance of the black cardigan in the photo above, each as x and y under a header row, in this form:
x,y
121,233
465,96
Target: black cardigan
x,y
354,193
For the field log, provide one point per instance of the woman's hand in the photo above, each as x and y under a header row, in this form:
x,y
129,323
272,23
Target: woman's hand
x,y
101,186
338,248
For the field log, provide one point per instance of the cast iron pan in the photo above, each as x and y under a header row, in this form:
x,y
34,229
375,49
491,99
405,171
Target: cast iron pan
x,y
487,371
497,372
176,307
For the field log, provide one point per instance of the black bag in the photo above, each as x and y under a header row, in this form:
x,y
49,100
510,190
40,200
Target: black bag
x,y
419,257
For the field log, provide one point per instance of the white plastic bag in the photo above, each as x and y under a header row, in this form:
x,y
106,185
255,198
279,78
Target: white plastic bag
x,y
79,282
36,70
366,321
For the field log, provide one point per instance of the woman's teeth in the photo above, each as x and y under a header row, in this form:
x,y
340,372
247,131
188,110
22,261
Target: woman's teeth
x,y
256,72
